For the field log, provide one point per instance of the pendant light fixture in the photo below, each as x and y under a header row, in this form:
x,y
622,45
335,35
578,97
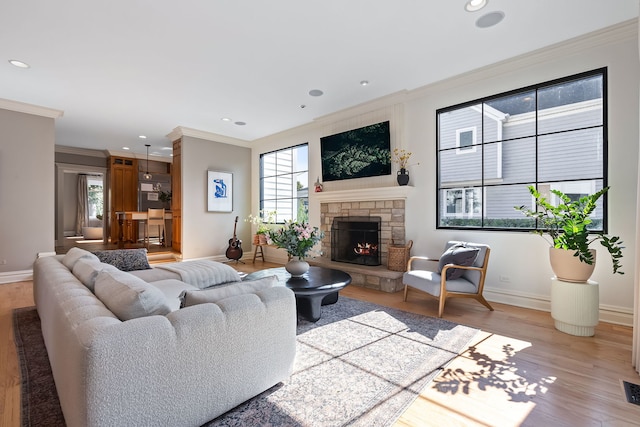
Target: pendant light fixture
x,y
147,175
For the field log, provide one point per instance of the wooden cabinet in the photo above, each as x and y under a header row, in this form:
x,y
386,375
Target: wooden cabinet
x,y
176,196
123,191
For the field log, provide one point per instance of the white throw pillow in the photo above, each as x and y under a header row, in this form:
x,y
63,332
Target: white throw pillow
x,y
129,297
74,254
218,293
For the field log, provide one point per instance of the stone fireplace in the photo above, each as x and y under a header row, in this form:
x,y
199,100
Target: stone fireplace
x,y
356,240
386,204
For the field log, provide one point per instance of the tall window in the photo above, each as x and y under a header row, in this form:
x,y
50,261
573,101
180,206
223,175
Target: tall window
x,y
552,135
284,183
95,197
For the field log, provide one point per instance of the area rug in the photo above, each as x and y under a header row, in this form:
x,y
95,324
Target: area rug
x,y
361,364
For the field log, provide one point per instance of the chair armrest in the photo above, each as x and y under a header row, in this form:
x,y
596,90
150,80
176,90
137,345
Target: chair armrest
x,y
463,267
419,258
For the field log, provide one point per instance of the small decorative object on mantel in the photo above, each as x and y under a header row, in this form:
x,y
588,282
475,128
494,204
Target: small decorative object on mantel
x,y
318,185
297,239
401,157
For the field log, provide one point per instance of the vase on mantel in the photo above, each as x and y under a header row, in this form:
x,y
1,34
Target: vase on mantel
x,y
403,176
296,267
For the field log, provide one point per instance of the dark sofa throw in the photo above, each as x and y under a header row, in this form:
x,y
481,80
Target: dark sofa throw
x,y
125,259
458,254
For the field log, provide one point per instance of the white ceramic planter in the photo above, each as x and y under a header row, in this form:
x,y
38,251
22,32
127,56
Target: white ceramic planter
x,y
568,267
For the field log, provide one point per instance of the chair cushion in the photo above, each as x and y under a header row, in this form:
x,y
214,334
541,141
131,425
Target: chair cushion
x,y
129,297
125,259
429,282
217,293
458,254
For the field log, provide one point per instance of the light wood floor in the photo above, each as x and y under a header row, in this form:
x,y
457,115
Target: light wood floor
x,y
520,371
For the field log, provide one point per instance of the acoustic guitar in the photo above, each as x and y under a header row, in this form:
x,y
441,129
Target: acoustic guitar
x,y
234,251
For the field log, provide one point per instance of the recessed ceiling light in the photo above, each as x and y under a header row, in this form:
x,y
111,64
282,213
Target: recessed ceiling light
x,y
19,64
225,119
303,106
364,83
475,5
240,123
490,19
142,136
316,92
126,148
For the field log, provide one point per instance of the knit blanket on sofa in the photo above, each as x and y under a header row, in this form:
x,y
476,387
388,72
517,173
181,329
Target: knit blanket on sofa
x,y
203,273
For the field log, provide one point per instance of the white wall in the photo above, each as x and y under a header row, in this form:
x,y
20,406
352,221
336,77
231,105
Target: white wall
x,y
26,189
520,257
207,234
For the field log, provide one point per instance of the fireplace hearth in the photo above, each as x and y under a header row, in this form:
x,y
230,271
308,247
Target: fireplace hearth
x,y
356,240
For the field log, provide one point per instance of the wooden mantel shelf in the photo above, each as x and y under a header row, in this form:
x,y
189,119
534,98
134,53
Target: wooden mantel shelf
x,y
396,192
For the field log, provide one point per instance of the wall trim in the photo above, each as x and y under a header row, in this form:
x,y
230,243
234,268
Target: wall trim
x,y
81,151
608,313
16,276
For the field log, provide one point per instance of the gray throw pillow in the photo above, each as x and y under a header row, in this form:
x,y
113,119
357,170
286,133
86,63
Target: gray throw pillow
x,y
125,259
458,254
218,293
86,270
129,297
73,255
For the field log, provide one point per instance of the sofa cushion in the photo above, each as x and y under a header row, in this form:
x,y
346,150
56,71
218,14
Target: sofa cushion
x,y
129,297
86,270
73,255
458,254
125,259
218,293
172,289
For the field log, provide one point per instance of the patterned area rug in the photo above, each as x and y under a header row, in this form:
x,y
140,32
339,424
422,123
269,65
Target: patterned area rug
x,y
361,364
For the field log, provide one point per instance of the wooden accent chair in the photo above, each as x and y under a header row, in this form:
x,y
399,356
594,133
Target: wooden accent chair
x,y
155,217
466,281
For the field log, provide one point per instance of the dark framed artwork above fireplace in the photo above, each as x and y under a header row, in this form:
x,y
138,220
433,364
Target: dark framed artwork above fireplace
x,y
356,240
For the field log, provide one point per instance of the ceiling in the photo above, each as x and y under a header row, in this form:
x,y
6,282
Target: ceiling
x,y
123,68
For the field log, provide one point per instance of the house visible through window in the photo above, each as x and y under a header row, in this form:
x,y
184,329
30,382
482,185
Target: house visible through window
x,y
284,183
551,135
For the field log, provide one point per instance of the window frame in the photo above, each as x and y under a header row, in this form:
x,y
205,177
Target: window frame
x,y
484,183
300,202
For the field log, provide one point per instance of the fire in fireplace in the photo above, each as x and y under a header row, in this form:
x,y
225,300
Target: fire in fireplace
x,y
355,239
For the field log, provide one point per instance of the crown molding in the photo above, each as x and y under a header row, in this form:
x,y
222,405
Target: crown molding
x,y
181,131
81,151
36,110
139,156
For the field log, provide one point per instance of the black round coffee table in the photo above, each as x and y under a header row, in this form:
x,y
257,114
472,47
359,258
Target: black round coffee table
x,y
319,286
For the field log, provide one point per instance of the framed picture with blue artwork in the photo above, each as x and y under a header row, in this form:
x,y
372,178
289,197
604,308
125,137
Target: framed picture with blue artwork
x,y
219,191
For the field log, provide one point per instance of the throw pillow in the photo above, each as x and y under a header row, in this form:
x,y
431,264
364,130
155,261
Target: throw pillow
x,y
125,259
86,270
218,293
458,254
129,297
73,255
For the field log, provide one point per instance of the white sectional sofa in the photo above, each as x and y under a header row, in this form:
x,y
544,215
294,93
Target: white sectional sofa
x,y
179,367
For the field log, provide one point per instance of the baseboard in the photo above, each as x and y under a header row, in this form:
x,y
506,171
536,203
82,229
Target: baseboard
x,y
607,313
16,276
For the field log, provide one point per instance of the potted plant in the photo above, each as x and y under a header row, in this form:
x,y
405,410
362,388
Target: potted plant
x,y
297,238
263,222
568,226
165,198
